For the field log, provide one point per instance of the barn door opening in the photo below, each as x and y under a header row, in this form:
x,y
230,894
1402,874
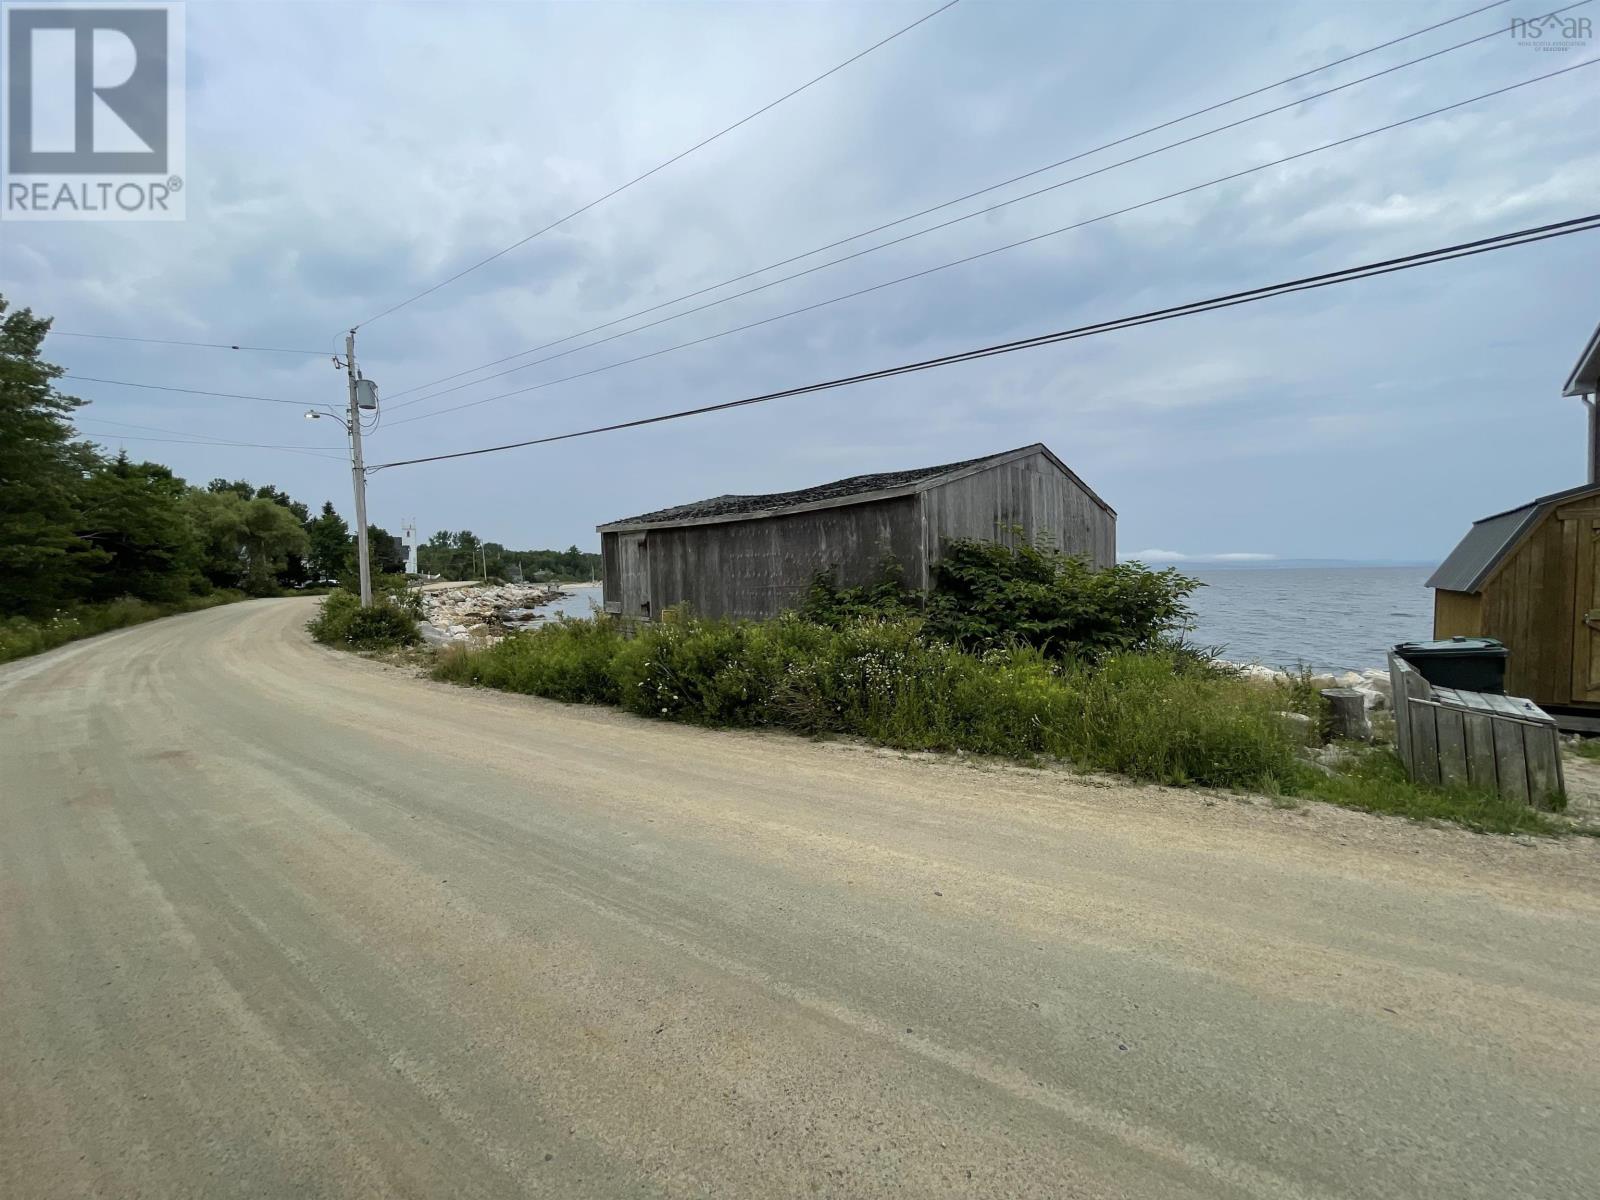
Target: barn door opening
x,y
634,558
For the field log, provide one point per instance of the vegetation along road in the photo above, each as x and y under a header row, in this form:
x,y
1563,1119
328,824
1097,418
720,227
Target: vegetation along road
x,y
277,921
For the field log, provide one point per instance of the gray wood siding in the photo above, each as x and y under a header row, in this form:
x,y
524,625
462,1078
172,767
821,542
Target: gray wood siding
x,y
626,565
610,568
1032,493
760,568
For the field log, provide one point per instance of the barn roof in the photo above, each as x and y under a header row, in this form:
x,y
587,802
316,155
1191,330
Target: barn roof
x,y
857,489
1491,539
1585,377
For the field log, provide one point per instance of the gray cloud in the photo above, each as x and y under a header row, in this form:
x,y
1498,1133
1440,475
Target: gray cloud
x,y
329,184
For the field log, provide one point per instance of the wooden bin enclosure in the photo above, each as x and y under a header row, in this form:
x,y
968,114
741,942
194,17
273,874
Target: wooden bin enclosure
x,y
1500,744
1530,578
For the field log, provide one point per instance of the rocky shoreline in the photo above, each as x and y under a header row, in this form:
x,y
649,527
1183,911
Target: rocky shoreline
x,y
483,614
1373,683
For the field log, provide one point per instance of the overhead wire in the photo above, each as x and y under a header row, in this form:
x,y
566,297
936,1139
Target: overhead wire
x,y
186,433
937,227
167,387
1528,236
996,186
682,154
998,249
100,436
119,337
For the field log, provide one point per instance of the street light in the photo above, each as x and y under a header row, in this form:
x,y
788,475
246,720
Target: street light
x,y
359,476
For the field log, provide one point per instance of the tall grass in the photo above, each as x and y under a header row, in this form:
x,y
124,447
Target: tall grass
x,y
1376,782
1165,716
1149,716
20,636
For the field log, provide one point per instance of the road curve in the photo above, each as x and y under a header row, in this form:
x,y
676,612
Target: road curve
x,y
276,921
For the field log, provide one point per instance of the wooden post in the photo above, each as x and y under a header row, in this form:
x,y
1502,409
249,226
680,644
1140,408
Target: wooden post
x,y
1348,715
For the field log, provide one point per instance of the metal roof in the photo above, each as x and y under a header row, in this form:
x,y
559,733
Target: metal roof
x,y
1585,377
857,489
1492,538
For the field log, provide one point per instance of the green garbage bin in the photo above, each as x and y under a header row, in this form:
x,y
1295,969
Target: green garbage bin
x,y
1470,663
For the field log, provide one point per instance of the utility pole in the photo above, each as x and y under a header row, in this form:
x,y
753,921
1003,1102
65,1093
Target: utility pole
x,y
358,472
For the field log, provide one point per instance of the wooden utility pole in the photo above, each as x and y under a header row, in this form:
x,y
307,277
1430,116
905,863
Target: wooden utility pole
x,y
358,471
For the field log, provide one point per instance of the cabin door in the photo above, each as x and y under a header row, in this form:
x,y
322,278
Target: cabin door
x,y
634,569
1580,540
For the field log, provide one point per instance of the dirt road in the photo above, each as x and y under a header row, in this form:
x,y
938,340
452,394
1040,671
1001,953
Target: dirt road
x,y
276,921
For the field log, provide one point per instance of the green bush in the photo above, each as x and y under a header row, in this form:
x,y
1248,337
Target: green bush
x,y
987,595
564,660
826,603
342,622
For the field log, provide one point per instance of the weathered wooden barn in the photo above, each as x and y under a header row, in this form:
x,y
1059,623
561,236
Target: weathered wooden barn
x,y
1530,577
755,556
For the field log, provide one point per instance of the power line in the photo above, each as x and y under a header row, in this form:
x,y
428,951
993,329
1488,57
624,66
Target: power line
x,y
163,387
771,283
662,165
992,187
121,437
117,337
710,337
1504,241
94,436
189,433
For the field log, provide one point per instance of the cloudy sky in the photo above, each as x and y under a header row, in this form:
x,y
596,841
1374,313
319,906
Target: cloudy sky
x,y
344,156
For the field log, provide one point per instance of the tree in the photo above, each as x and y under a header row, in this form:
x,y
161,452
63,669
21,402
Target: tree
x,y
44,564
272,537
134,513
330,544
241,488
278,496
384,550
244,543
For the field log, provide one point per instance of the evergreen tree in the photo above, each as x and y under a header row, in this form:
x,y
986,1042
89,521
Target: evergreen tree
x,y
134,513
44,564
330,554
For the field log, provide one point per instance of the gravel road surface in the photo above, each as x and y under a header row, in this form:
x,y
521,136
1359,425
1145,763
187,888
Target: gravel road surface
x,y
276,921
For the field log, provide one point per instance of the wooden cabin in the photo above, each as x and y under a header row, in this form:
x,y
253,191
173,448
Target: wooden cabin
x,y
755,556
1530,577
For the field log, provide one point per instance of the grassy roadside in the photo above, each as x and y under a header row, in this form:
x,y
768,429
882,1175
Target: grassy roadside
x,y
1152,716
21,637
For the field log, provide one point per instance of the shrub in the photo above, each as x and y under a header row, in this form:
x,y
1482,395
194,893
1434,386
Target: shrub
x,y
565,660
826,603
342,622
987,595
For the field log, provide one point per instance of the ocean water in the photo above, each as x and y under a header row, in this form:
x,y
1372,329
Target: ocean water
x,y
576,603
1329,618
